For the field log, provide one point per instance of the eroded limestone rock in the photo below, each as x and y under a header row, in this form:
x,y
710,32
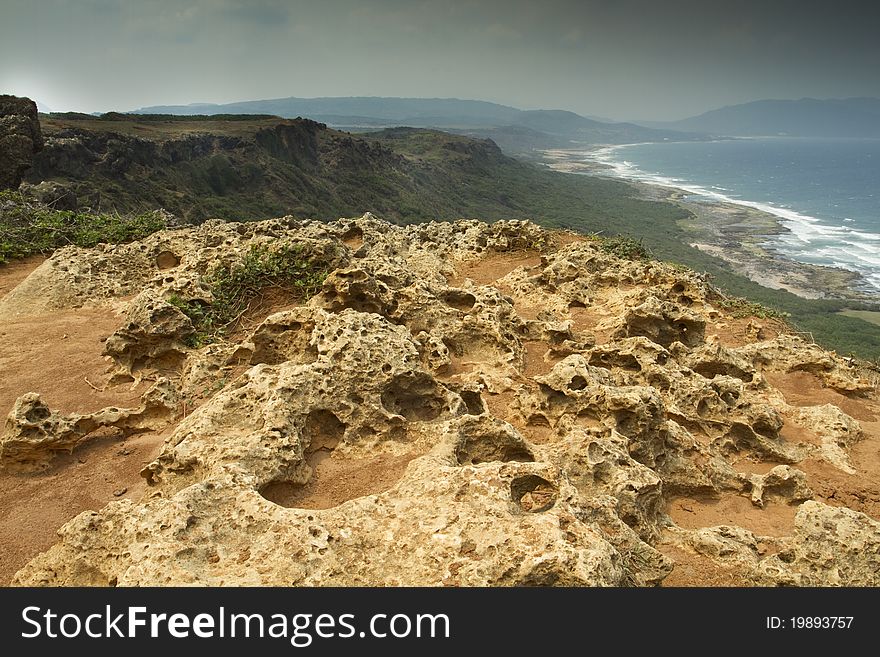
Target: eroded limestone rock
x,y
784,482
155,333
423,384
34,433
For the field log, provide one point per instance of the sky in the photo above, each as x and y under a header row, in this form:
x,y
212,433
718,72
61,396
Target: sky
x,y
622,59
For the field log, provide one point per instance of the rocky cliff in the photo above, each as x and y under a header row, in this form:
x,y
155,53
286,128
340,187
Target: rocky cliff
x,y
20,139
246,169
458,404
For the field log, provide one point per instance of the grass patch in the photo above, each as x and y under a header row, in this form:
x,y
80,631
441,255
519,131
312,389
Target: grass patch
x,y
234,286
28,228
625,247
871,316
740,308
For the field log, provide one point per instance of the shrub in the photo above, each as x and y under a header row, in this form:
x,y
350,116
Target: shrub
x,y
740,308
625,247
233,287
29,228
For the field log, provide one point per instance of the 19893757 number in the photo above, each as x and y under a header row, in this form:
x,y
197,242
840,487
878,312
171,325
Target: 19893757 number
x,y
810,623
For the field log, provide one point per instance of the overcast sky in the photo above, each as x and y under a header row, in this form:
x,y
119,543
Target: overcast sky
x,y
622,59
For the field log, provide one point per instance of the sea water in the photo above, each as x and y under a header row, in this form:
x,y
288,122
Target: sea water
x,y
825,191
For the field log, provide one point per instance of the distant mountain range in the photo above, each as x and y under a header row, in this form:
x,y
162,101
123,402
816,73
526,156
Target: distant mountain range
x,y
521,131
807,117
513,129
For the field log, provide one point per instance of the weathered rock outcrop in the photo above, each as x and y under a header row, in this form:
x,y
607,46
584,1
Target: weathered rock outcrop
x,y
831,546
529,422
34,433
20,139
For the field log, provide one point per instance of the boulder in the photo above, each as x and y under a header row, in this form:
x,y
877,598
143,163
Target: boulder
x,y
20,139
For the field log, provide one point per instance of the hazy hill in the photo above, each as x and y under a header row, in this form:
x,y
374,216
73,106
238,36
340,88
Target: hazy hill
x,y
417,112
808,117
517,130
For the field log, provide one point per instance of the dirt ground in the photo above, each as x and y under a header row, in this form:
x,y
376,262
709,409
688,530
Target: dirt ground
x,y
33,506
59,355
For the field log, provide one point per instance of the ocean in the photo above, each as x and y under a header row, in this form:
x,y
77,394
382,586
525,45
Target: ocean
x,y
825,191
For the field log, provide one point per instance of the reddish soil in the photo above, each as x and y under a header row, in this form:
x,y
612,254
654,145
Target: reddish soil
x,y
830,485
33,506
773,520
14,273
536,359
586,319
694,570
735,332
58,355
806,389
494,266
338,480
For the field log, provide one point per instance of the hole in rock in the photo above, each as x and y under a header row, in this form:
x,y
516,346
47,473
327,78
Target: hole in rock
x,y
37,414
553,396
338,480
711,368
167,260
627,422
577,382
538,420
608,360
414,397
488,447
322,431
474,402
353,238
283,342
459,299
533,494
588,418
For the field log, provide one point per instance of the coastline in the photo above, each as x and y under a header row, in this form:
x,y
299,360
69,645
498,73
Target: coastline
x,y
740,235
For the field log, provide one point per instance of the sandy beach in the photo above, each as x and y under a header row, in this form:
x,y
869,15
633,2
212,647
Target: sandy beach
x,y
740,235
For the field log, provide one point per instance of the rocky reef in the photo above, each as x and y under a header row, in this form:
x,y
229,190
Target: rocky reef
x,y
462,404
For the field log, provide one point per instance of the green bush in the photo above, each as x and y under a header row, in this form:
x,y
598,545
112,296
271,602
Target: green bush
x,y
235,285
29,228
741,308
625,247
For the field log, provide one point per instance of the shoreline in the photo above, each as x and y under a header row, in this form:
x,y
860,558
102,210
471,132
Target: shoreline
x,y
740,235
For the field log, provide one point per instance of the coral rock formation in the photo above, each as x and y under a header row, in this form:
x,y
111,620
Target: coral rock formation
x,y
459,404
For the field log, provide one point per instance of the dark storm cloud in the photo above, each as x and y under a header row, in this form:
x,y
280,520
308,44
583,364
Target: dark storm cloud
x,y
621,58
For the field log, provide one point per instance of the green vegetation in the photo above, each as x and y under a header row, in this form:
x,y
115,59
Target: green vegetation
x,y
625,247
741,308
28,228
872,316
234,286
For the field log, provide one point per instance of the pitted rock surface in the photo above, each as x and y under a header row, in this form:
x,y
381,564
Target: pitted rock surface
x,y
438,414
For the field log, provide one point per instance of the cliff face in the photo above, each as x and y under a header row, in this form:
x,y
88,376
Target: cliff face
x,y
459,404
228,169
20,139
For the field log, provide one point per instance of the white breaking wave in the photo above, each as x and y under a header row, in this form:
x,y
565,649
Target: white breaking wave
x,y
810,240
